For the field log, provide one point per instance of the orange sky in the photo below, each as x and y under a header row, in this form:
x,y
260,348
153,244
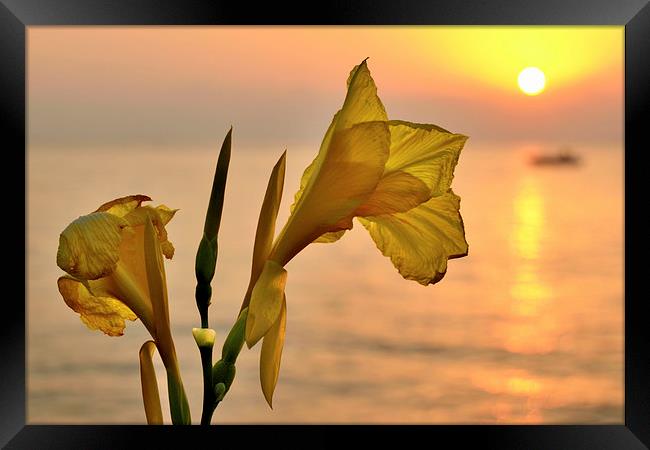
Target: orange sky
x,y
281,85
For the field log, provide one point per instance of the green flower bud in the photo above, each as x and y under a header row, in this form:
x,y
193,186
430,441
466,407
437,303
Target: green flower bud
x,y
206,260
223,372
235,340
219,391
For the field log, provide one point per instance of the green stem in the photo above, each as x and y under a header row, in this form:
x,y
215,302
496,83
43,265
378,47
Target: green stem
x,y
208,390
178,404
204,318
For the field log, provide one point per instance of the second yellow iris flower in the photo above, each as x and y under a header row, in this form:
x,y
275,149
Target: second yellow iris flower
x,y
114,260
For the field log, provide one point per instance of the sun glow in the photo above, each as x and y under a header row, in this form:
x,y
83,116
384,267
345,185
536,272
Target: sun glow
x,y
531,80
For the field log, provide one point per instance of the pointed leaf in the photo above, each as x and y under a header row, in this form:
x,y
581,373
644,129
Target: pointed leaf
x,y
266,223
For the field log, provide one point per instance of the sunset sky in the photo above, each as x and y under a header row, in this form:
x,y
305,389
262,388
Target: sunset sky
x,y
280,85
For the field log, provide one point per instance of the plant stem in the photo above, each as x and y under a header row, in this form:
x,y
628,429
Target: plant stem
x,y
208,390
204,318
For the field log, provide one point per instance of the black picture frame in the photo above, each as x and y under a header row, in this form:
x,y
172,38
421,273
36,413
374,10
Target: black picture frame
x,y
17,15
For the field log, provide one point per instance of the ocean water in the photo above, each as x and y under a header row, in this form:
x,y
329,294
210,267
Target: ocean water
x,y
526,329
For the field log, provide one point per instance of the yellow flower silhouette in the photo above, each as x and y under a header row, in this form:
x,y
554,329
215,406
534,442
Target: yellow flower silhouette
x,y
394,176
113,257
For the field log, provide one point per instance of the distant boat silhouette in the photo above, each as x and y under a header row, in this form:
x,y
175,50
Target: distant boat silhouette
x,y
563,157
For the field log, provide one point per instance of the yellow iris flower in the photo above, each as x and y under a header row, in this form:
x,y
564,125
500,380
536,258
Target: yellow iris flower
x,y
113,257
394,176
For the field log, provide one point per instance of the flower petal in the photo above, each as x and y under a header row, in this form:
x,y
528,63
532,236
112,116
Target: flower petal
x,y
166,214
420,241
347,177
361,105
157,281
89,246
128,289
420,166
427,152
395,192
361,102
328,238
98,313
266,302
159,216
122,206
271,354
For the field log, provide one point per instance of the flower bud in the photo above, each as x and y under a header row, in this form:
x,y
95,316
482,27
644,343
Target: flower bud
x,y
223,372
219,391
206,260
235,340
204,337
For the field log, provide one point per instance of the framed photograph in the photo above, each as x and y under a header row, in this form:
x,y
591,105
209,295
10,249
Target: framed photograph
x,y
477,284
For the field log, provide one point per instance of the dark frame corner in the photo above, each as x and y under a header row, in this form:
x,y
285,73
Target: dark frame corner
x,y
17,15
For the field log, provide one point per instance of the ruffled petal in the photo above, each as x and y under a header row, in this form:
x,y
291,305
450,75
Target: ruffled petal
x,y
420,241
160,216
166,214
271,354
98,313
420,166
396,192
89,246
123,206
266,302
348,176
120,207
125,287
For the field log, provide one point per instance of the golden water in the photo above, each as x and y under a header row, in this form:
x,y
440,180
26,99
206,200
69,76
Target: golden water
x,y
527,329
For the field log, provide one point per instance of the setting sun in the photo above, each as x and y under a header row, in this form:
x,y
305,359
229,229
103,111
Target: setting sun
x,y
531,80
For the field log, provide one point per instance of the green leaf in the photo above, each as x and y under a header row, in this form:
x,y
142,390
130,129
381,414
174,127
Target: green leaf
x,y
266,224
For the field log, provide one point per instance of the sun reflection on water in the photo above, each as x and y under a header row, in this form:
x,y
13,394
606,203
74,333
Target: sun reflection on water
x,y
529,294
529,220
530,325
528,291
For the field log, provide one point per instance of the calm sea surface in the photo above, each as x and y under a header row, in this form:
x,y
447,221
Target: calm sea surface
x,y
527,329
